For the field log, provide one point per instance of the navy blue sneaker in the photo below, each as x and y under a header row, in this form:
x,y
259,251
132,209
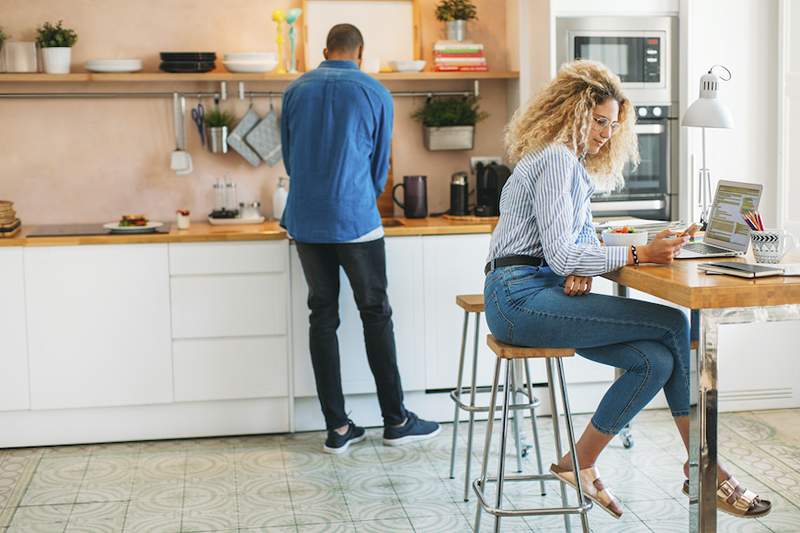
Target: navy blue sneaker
x,y
414,430
336,443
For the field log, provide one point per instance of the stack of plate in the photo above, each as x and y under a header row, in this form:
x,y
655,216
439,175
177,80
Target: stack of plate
x,y
9,223
114,65
251,61
187,61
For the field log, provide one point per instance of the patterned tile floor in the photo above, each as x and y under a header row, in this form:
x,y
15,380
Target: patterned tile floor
x,y
284,483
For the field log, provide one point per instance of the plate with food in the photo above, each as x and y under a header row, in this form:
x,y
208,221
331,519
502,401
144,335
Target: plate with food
x,y
133,224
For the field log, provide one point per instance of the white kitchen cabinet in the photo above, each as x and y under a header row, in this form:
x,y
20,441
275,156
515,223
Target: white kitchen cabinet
x,y
98,325
13,342
235,368
229,305
404,271
227,257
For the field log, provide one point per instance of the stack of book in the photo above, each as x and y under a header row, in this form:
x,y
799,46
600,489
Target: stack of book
x,y
455,56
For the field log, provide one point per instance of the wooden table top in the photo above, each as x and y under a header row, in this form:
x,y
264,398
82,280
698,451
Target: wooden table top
x,y
683,284
201,231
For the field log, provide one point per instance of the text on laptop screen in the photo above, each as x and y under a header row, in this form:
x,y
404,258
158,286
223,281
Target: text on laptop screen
x,y
726,223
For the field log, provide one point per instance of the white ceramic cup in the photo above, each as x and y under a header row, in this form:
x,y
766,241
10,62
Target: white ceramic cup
x,y
769,246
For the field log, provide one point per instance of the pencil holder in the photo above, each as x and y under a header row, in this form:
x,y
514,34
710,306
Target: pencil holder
x,y
769,246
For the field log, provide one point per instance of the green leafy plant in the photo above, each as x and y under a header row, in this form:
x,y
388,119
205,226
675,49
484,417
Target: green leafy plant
x,y
456,111
50,36
3,36
217,118
456,10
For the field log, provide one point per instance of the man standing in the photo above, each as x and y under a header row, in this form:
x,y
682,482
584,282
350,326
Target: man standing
x,y
336,130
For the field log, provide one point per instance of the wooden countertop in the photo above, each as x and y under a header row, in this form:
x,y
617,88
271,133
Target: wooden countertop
x,y
205,232
683,284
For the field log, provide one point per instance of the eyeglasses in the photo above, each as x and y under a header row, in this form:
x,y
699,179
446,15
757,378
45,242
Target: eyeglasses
x,y
602,123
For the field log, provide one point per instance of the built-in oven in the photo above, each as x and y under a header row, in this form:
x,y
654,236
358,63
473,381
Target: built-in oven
x,y
640,50
648,192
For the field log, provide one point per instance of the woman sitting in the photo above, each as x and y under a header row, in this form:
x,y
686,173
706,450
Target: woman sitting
x,y
574,138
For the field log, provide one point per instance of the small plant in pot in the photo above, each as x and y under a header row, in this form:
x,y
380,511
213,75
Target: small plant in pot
x,y
456,13
449,123
56,43
218,124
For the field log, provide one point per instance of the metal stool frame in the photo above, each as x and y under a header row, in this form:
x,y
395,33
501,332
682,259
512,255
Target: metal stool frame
x,y
471,408
479,484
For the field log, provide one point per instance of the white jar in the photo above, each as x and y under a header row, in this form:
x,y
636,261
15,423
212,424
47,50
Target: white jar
x,y
182,221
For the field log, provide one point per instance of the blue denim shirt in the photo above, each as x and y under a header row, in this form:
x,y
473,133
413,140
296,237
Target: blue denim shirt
x,y
336,130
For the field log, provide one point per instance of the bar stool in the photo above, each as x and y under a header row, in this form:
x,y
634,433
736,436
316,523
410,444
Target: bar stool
x,y
473,303
510,354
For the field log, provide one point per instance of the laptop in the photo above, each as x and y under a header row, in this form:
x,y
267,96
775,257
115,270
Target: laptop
x,y
727,233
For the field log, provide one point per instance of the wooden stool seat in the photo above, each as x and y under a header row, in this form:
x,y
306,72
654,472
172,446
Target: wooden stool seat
x,y
471,303
508,351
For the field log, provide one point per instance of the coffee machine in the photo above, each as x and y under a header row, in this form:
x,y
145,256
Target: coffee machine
x,y
490,182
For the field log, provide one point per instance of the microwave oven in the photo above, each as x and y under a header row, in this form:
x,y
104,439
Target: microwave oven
x,y
642,51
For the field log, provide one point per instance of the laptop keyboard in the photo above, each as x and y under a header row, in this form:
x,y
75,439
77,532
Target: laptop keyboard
x,y
702,248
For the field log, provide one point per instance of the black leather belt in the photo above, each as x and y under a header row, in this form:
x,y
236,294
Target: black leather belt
x,y
513,260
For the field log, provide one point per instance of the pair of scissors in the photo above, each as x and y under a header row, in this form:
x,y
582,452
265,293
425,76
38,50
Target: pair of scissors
x,y
198,116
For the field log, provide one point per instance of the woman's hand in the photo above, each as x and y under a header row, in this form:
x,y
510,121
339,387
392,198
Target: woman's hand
x,y
662,249
577,285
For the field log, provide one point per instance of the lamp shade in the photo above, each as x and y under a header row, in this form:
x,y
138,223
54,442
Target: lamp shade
x,y
708,111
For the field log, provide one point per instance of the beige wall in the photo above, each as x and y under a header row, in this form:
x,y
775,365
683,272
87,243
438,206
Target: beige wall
x,y
91,160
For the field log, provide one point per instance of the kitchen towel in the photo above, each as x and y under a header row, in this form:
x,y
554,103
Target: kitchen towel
x,y
236,139
265,138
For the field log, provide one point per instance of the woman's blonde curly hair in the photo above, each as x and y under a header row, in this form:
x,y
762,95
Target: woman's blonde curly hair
x,y
562,113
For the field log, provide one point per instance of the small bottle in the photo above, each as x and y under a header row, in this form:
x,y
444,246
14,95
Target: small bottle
x,y
219,197
279,198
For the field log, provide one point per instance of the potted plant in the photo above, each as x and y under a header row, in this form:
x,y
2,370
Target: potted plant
x,y
56,43
449,123
456,13
218,124
3,38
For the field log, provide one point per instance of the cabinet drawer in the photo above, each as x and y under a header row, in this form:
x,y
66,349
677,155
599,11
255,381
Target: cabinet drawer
x,y
226,369
229,306
228,257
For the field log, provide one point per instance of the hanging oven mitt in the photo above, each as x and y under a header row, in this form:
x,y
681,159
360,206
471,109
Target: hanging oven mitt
x,y
265,138
236,137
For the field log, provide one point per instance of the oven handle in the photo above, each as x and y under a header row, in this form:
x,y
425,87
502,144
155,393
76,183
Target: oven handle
x,y
649,129
634,205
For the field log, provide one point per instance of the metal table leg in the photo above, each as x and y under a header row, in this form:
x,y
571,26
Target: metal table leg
x,y
625,433
703,407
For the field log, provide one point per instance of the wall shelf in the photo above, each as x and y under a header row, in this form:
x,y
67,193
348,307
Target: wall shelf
x,y
218,76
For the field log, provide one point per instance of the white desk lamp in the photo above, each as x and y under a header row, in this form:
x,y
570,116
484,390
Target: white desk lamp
x,y
708,112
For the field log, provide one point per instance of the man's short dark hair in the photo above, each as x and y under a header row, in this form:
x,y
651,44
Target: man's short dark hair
x,y
344,38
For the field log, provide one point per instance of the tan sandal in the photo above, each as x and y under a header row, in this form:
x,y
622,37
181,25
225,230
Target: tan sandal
x,y
592,488
737,501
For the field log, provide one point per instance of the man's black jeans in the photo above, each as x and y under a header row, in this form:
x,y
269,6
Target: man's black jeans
x,y
365,267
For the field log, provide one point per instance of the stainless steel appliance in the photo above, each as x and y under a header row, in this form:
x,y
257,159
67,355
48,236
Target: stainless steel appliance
x,y
459,194
643,52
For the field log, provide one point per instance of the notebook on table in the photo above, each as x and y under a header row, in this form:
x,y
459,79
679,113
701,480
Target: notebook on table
x,y
742,270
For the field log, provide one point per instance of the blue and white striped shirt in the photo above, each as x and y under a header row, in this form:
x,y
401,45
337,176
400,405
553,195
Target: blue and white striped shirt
x,y
545,211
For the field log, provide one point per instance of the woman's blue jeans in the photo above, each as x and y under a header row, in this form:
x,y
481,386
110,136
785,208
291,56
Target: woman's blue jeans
x,y
526,306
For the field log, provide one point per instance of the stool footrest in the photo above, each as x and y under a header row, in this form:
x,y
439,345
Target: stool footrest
x,y
485,408
500,512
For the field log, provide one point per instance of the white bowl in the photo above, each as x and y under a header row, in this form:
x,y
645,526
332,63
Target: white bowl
x,y
407,66
114,65
250,66
251,56
624,239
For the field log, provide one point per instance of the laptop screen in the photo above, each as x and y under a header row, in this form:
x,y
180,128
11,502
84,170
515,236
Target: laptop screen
x,y
726,224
